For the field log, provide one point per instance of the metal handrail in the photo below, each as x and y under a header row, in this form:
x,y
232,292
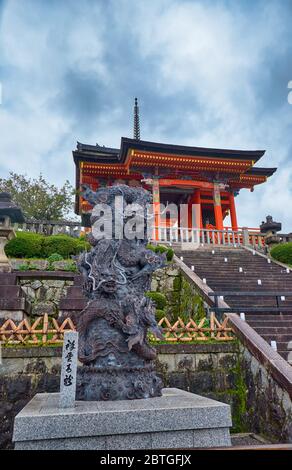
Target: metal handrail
x,y
277,295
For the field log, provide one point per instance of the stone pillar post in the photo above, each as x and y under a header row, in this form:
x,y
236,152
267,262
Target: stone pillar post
x,y
245,236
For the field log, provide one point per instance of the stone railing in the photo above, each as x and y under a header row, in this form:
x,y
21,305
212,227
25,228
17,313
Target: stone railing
x,y
51,227
196,236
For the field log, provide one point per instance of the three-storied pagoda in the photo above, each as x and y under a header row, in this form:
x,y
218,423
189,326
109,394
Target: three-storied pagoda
x,y
208,177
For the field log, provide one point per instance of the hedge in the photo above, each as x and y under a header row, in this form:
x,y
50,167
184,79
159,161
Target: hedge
x,y
33,245
282,253
25,245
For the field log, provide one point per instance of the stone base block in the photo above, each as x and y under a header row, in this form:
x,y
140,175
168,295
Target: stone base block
x,y
177,419
15,315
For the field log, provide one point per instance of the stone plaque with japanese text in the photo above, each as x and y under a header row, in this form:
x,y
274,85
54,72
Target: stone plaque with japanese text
x,y
69,370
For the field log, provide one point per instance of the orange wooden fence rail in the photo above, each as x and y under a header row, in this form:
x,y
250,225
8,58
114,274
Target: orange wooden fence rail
x,y
45,330
190,330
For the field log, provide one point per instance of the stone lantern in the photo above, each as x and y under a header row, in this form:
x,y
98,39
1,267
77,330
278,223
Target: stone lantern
x,y
9,213
270,229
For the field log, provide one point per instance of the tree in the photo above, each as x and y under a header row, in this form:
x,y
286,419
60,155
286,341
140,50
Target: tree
x,y
37,198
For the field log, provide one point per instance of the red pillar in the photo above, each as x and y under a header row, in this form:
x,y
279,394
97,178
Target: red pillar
x,y
195,199
233,212
218,208
156,207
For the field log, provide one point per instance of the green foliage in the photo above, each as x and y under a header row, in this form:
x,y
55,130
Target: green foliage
x,y
37,198
27,266
54,247
162,249
239,394
62,244
282,253
185,302
159,299
70,266
25,245
159,314
55,257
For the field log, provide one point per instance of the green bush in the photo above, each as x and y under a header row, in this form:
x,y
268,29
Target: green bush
x,y
55,257
54,247
63,245
159,299
25,245
283,253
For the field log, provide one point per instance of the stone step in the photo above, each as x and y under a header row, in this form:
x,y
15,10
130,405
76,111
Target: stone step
x,y
7,279
75,292
225,276
20,303
78,280
274,330
279,338
269,323
7,291
276,317
249,302
72,304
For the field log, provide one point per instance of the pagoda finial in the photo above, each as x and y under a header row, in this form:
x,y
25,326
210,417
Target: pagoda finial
x,y
136,133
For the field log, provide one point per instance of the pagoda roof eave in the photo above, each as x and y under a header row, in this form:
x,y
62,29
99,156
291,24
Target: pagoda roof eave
x,y
142,145
261,171
96,158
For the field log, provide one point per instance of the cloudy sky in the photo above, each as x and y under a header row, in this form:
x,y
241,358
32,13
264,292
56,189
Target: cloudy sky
x,y
207,73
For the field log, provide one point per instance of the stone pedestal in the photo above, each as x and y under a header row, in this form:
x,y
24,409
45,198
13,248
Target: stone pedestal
x,y
176,420
6,234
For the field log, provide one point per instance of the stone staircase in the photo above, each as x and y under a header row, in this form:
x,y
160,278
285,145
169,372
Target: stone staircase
x,y
224,276
74,301
13,302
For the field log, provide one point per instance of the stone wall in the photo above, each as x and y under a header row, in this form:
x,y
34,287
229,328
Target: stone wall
x,y
45,294
223,371
23,373
266,407
182,296
210,369
206,369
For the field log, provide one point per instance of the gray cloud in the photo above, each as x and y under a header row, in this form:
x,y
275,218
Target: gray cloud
x,y
209,73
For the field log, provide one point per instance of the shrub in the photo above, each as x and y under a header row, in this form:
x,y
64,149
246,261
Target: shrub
x,y
55,257
81,244
54,247
63,245
25,245
283,253
159,299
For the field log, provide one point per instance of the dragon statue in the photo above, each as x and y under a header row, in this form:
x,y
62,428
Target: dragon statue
x,y
117,360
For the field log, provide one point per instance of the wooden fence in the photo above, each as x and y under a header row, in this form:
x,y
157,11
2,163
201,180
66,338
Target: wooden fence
x,y
45,331
42,331
204,330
